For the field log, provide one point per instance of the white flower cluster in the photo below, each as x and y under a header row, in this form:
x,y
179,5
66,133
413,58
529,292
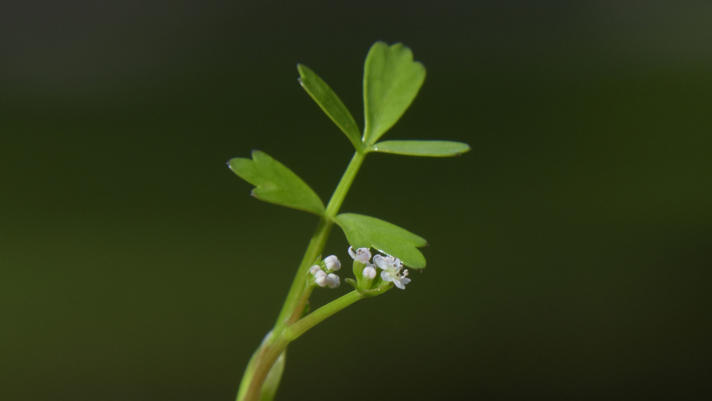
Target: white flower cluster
x,y
391,267
325,277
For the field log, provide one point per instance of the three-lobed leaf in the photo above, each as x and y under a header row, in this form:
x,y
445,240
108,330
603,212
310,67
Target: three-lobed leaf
x,y
369,232
422,148
391,80
275,183
390,83
330,103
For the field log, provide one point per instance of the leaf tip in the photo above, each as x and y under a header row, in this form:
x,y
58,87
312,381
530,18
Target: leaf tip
x,y
379,44
401,48
236,163
464,148
303,70
421,67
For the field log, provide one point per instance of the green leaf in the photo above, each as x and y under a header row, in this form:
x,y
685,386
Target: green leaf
x,y
391,80
369,232
271,383
275,183
330,103
422,148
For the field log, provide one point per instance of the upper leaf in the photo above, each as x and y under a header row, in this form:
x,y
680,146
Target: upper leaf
x,y
330,103
369,232
391,79
275,183
422,148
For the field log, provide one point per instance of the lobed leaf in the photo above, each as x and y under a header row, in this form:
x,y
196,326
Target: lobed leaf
x,y
422,148
330,103
369,232
275,183
391,80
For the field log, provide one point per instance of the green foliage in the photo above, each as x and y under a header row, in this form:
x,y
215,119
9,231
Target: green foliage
x,y
391,80
275,183
369,232
330,103
422,148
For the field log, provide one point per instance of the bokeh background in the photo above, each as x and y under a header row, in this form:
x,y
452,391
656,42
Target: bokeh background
x,y
569,250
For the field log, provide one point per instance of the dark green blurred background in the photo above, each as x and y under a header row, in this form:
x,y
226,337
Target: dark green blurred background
x,y
569,251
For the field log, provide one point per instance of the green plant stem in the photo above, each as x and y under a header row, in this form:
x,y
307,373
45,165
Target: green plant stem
x,y
302,325
290,312
264,357
258,368
337,198
316,245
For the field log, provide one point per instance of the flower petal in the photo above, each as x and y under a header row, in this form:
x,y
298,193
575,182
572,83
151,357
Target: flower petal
x,y
381,262
361,255
352,253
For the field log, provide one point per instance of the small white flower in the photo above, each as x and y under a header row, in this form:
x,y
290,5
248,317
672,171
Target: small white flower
x,y
369,272
320,278
362,255
332,263
392,270
332,280
326,278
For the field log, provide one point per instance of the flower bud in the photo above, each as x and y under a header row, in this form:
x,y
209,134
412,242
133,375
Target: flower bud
x,y
332,263
369,272
332,280
320,278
